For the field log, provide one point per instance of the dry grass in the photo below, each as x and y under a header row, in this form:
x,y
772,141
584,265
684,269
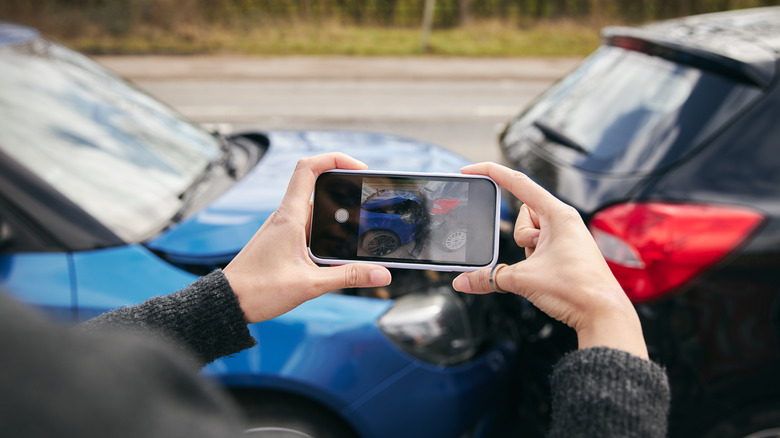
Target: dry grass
x,y
486,38
330,27
494,38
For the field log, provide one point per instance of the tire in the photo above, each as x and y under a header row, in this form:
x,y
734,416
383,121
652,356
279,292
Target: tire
x,y
275,415
753,422
455,240
380,242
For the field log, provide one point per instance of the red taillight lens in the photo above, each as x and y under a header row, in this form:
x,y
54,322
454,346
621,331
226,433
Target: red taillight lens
x,y
443,206
654,248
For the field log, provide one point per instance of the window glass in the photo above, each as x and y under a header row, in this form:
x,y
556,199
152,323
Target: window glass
x,y
119,154
623,111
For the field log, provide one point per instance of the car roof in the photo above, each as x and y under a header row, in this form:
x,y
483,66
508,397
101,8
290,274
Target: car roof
x,y
389,197
12,34
744,43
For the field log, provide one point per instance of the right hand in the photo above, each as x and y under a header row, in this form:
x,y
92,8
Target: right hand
x,y
564,274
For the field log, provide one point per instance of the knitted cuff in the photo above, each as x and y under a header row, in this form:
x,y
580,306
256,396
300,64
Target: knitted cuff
x,y
602,392
211,317
204,319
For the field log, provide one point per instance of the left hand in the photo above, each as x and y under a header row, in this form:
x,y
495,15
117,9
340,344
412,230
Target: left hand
x,y
273,273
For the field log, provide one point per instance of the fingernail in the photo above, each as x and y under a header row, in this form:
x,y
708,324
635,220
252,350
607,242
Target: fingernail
x,y
379,277
535,240
461,283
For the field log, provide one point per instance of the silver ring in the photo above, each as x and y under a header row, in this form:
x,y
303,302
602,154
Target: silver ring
x,y
492,279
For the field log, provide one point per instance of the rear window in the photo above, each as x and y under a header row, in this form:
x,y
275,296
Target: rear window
x,y
623,112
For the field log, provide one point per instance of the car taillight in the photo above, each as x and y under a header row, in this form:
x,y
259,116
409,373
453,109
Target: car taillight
x,y
443,206
655,248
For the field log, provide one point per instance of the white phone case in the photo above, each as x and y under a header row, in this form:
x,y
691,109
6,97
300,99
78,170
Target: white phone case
x,y
443,266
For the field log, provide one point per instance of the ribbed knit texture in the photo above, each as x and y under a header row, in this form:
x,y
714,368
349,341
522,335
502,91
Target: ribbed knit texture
x,y
204,318
106,381
66,382
606,393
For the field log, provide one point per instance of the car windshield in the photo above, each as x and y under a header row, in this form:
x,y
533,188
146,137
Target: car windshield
x,y
623,111
116,152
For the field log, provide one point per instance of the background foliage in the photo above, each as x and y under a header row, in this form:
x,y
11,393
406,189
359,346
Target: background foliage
x,y
381,27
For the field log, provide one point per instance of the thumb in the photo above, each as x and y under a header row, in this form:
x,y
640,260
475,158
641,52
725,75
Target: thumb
x,y
475,282
354,275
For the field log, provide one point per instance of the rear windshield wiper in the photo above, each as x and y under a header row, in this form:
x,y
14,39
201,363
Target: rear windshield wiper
x,y
556,136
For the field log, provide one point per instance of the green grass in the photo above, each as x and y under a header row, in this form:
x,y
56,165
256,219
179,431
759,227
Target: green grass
x,y
479,39
339,27
495,39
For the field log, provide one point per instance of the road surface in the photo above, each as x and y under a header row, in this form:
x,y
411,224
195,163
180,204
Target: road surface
x,y
458,103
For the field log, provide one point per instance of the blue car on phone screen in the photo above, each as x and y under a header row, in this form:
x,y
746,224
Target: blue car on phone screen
x,y
108,197
389,219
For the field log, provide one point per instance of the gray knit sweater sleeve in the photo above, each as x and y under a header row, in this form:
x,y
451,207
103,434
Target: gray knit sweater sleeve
x,y
204,318
601,392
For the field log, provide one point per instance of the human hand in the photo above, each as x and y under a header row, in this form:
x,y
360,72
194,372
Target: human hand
x,y
273,273
564,274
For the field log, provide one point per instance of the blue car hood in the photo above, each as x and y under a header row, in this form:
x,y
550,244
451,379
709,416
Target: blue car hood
x,y
216,233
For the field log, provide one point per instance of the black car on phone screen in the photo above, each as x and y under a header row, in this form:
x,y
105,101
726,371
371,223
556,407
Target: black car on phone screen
x,y
667,140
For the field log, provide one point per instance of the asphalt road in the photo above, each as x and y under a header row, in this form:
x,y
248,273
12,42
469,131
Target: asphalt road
x,y
458,103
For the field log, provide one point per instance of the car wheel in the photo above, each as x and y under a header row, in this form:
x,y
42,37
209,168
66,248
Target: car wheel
x,y
455,240
756,422
380,242
285,416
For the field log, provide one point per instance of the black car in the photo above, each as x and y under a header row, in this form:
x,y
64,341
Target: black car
x,y
667,140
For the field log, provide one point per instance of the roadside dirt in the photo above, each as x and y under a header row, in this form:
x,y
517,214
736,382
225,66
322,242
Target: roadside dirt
x,y
336,68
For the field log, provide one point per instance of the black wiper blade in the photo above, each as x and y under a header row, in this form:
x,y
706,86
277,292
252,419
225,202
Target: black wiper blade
x,y
226,158
560,138
188,195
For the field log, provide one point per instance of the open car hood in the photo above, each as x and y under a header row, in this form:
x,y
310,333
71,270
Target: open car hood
x,y
215,234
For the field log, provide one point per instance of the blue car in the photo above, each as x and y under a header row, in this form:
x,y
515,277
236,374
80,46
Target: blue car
x,y
389,219
108,197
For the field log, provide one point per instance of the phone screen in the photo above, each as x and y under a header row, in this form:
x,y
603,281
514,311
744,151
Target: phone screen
x,y
434,220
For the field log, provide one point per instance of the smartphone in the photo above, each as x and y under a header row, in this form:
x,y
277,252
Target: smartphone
x,y
434,221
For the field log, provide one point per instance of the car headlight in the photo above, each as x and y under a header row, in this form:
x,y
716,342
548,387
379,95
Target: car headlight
x,y
408,218
433,326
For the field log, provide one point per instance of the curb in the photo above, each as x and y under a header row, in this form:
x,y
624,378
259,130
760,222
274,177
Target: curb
x,y
221,67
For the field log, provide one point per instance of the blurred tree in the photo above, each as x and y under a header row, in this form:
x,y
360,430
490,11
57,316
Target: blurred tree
x,y
465,12
427,24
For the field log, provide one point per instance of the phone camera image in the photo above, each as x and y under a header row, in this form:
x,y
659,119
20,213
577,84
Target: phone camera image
x,y
336,217
413,219
420,221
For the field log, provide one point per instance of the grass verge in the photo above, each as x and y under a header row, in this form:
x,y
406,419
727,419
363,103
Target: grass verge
x,y
490,38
